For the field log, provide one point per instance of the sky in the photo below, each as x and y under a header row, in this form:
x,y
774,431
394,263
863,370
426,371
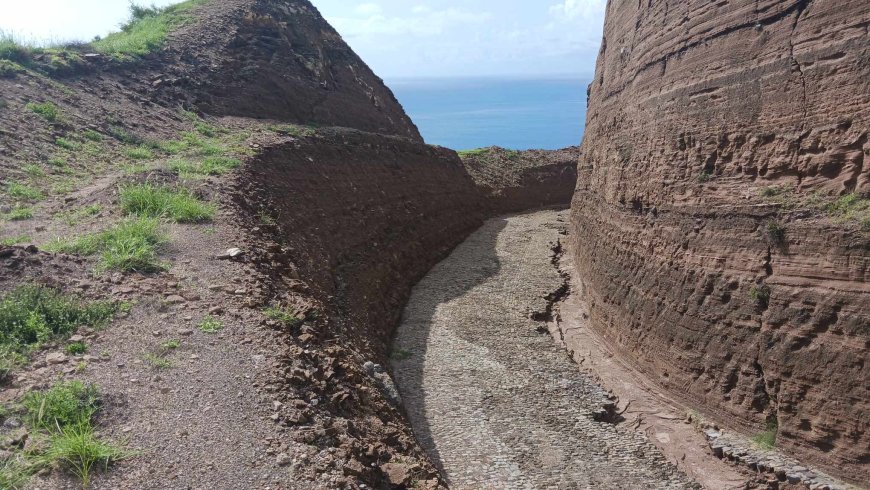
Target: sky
x,y
397,38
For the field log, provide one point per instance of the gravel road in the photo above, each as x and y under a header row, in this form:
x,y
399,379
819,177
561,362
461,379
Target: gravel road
x,y
491,396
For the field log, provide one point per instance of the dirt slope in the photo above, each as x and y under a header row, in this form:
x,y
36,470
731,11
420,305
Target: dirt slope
x,y
720,222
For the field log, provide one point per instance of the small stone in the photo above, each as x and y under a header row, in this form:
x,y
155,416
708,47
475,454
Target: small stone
x,y
174,299
194,356
185,332
283,459
233,253
165,389
56,358
76,338
215,310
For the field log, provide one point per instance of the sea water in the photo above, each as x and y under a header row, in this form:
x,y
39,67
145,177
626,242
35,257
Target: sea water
x,y
518,114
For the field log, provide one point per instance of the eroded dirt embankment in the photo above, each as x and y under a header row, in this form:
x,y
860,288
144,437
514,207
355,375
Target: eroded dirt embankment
x,y
721,139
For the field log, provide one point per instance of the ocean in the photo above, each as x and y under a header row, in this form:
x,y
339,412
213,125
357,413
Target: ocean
x,y
519,114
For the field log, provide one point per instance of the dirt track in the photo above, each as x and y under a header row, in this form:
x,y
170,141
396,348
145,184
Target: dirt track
x,y
496,402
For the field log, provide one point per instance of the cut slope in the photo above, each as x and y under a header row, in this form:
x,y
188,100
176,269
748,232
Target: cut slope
x,y
717,133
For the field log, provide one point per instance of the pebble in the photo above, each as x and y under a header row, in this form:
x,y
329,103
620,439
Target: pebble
x,y
56,358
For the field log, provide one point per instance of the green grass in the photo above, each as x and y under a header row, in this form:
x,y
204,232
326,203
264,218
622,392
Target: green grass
x,y
92,135
25,192
775,233
760,294
176,204
64,404
19,213
68,144
47,110
157,361
146,31
58,161
33,170
60,420
767,438
11,49
16,240
140,153
210,324
76,348
216,165
283,315
266,218
473,153
851,208
171,344
32,315
76,216
131,245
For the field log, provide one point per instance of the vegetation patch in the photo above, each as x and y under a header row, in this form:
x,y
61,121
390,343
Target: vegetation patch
x,y
62,436
47,110
68,144
851,208
22,191
76,348
157,361
140,153
32,315
178,205
473,153
760,294
16,240
19,213
767,438
283,315
775,233
92,135
146,31
210,324
132,245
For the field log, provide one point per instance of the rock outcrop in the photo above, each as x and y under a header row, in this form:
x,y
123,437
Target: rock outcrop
x,y
706,226
514,181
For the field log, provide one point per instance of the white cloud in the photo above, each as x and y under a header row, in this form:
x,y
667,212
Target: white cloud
x,y
423,21
570,10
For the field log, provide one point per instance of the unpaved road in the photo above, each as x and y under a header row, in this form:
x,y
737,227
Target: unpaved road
x,y
496,402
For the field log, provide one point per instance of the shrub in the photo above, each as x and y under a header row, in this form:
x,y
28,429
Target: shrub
x,y
776,233
129,246
760,294
10,49
178,205
47,110
76,348
31,315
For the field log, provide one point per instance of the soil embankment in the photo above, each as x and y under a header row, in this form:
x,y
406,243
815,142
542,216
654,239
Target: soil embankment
x,y
717,225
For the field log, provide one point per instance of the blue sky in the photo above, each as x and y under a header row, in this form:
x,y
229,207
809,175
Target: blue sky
x,y
397,38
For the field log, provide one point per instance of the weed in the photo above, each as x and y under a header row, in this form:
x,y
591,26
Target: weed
x,y
767,438
73,218
76,348
31,315
47,110
851,207
18,190
178,205
156,361
19,213
775,233
205,129
400,354
57,161
171,344
64,404
68,144
124,136
33,170
78,449
219,165
210,324
10,359
760,294
81,366
8,242
704,177
283,315
140,153
146,31
131,245
266,218
92,135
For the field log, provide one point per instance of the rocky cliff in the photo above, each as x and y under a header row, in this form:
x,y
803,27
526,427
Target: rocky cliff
x,y
720,223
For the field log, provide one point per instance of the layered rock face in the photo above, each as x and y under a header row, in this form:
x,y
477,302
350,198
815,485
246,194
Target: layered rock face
x,y
282,60
714,131
515,181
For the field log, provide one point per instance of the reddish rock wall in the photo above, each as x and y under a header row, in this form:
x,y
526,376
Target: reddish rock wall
x,y
698,107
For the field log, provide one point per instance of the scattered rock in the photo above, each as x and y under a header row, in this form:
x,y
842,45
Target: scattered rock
x,y
398,474
283,459
231,254
174,299
56,358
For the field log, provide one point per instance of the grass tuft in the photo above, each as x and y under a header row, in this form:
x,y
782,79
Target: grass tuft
x,y
140,153
78,449
68,144
132,245
19,213
32,315
18,190
283,315
210,324
47,110
65,404
146,31
767,438
179,205
76,348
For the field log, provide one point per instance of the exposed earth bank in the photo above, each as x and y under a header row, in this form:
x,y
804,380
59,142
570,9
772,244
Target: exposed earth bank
x,y
720,221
